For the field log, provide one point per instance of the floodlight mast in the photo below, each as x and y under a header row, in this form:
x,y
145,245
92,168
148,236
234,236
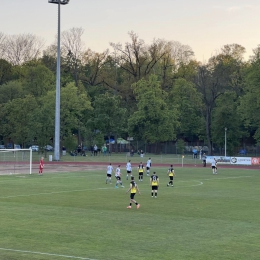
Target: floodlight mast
x,y
57,103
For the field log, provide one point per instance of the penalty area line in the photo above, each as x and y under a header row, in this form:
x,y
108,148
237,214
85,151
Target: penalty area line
x,y
47,254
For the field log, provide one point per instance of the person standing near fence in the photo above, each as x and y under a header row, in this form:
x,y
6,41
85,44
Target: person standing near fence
x,y
204,159
41,165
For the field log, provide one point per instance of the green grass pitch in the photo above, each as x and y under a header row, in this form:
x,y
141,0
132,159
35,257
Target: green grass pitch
x,y
77,216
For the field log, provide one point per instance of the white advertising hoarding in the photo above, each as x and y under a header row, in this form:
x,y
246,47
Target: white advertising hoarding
x,y
241,160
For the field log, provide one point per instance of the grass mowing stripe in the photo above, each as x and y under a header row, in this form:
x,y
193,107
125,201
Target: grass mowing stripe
x,y
48,254
51,193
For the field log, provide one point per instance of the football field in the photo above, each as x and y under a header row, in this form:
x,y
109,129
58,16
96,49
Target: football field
x,y
75,215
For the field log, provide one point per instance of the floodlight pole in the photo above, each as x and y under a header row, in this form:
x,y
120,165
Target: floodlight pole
x,y
57,103
225,142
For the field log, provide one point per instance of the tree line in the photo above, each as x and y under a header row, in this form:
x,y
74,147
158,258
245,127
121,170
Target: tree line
x,y
153,92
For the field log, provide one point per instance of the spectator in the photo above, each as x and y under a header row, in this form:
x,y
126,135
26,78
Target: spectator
x,y
79,148
204,159
104,150
63,150
195,153
95,150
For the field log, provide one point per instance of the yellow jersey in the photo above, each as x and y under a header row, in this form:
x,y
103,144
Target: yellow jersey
x,y
140,168
133,187
154,180
171,172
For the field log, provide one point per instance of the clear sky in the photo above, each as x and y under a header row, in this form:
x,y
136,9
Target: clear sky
x,y
204,25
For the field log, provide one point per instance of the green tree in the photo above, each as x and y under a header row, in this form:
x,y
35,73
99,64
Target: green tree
x,y
222,73
73,108
16,117
109,117
187,99
11,90
250,101
153,121
225,115
5,71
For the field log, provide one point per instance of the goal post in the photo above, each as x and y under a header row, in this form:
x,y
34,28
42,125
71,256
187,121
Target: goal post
x,y
15,161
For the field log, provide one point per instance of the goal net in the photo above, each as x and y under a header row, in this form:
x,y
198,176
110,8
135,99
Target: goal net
x,y
15,161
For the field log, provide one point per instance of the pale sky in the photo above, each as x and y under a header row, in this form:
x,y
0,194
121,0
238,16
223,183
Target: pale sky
x,y
204,25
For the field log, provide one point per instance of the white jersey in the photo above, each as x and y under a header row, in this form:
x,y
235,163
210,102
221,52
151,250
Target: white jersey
x,y
109,169
148,164
213,163
118,172
129,167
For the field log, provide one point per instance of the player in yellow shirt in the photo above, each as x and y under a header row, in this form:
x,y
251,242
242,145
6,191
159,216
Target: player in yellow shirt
x,y
171,174
154,183
140,171
133,188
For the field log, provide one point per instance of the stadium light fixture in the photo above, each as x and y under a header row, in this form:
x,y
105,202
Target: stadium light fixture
x,y
57,103
62,2
225,142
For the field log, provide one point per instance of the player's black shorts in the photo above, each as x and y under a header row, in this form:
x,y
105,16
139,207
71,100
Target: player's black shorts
x,y
132,195
141,173
213,167
155,187
118,178
171,178
147,168
108,175
128,172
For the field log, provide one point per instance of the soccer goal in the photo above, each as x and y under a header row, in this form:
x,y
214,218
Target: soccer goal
x,y
15,161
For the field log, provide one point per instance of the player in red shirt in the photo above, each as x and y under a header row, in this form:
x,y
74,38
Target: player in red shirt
x,y
41,165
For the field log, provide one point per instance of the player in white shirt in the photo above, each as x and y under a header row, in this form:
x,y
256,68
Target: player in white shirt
x,y
213,166
118,177
128,169
110,170
148,166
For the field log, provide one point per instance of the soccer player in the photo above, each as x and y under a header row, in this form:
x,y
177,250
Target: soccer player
x,y
171,173
154,182
213,166
148,166
41,165
140,171
110,170
133,188
128,169
118,177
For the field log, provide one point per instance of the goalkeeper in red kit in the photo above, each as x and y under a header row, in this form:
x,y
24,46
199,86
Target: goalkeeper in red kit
x,y
41,165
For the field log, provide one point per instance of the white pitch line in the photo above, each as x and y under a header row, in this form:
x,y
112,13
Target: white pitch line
x,y
48,254
224,178
50,193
